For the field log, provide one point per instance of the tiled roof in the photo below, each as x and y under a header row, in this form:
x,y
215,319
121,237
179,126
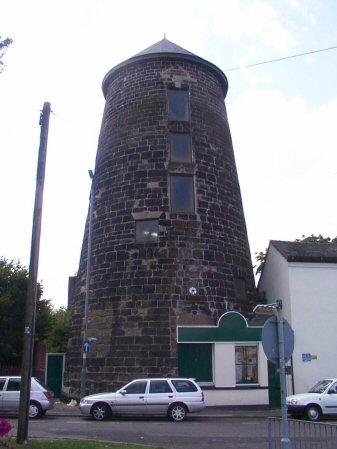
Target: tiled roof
x,y
306,251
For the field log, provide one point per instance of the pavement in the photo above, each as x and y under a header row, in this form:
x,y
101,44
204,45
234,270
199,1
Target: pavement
x,y
259,411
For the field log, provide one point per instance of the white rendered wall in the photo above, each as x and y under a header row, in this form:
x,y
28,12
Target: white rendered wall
x,y
274,280
224,377
309,295
313,290
236,397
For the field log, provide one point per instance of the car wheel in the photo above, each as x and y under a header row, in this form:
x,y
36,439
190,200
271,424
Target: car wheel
x,y
177,412
313,413
100,412
35,410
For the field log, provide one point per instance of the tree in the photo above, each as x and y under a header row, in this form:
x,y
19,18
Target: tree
x,y
261,256
57,338
13,294
316,239
4,44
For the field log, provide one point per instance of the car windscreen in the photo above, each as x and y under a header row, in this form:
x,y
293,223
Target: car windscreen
x,y
320,387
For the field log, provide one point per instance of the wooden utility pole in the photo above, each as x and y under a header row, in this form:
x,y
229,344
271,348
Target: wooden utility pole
x,y
30,312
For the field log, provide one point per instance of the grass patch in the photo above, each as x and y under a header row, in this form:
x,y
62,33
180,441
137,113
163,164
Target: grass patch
x,y
76,444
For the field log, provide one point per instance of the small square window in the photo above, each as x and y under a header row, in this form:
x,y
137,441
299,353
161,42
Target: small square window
x,y
181,147
147,231
182,194
178,104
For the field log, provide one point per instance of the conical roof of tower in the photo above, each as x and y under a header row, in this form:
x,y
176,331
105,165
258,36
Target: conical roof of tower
x,y
164,46
165,49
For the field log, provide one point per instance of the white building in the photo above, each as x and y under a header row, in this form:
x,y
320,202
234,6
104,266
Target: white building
x,y
304,277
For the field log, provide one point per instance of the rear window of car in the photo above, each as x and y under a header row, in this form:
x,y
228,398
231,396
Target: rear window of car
x,y
39,382
184,386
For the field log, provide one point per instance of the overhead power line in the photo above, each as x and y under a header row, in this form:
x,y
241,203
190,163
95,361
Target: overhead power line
x,y
281,59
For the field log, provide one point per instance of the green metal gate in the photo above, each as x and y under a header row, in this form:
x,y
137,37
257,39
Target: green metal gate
x,y
54,374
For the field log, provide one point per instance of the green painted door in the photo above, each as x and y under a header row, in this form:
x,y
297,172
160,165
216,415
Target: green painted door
x,y
55,364
195,360
274,386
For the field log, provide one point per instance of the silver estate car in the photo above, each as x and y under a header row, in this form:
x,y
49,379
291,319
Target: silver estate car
x,y
173,397
41,397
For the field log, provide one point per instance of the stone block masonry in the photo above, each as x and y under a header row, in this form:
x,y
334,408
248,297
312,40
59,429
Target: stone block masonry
x,y
140,291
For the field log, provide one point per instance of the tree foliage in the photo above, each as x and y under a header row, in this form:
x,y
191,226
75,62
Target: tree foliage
x,y
260,257
4,44
13,294
57,338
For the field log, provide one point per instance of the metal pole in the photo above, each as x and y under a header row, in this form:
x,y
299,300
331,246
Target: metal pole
x,y
285,441
87,287
30,311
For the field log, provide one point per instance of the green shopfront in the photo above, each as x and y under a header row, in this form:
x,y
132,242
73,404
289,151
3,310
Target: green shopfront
x,y
227,360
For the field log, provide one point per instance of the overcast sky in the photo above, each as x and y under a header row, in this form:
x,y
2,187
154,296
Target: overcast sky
x,y
282,115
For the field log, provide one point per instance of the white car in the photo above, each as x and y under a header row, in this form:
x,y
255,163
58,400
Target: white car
x,y
320,400
174,397
41,397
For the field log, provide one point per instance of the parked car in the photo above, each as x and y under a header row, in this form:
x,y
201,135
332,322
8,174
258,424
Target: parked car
x,y
320,400
41,397
174,397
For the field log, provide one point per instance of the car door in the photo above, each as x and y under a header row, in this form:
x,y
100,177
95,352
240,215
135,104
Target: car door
x,y
330,400
2,385
131,399
11,395
159,397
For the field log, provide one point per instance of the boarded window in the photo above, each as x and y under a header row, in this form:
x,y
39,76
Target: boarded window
x,y
178,104
181,147
182,194
195,360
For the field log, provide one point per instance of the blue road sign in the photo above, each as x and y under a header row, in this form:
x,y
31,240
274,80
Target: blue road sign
x,y
86,346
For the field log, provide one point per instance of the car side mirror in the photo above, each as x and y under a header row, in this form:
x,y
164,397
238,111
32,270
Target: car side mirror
x,y
123,392
331,392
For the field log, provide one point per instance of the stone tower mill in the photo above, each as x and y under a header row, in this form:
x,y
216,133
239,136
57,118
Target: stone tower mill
x,y
168,239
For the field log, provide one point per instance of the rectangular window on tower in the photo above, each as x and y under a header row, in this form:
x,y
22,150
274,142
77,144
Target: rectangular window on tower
x,y
147,231
178,104
181,147
246,364
182,194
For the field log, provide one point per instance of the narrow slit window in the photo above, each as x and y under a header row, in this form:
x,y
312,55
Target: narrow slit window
x,y
182,194
181,147
178,104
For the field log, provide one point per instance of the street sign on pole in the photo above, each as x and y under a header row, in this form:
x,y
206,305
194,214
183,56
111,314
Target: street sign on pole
x,y
278,345
86,346
270,340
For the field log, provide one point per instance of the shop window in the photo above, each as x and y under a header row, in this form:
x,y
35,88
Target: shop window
x,y
246,364
178,104
147,231
182,194
180,147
